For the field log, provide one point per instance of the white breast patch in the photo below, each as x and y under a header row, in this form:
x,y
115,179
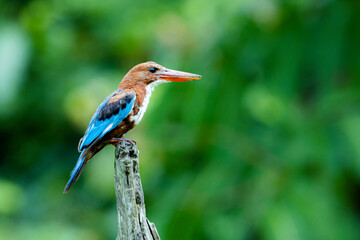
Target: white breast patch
x,y
149,88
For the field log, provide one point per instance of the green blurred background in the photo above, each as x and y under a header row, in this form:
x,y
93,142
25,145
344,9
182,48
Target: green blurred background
x,y
265,146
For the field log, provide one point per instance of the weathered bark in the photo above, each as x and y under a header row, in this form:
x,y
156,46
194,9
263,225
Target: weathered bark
x,y
132,221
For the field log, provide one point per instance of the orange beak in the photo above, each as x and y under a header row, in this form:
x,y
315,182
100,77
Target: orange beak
x,y
177,76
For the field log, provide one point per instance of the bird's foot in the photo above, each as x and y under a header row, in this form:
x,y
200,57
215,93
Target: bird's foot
x,y
115,141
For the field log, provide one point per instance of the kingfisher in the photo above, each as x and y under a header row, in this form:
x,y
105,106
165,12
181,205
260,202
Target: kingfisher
x,y
122,110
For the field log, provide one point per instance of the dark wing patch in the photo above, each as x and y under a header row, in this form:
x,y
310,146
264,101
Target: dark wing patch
x,y
100,124
114,108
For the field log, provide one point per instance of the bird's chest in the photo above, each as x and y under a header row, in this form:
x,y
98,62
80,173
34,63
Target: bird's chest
x,y
140,107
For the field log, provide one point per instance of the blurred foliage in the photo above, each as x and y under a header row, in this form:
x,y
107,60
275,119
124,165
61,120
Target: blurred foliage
x,y
265,146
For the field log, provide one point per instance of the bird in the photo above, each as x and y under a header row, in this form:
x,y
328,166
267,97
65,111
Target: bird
x,y
122,110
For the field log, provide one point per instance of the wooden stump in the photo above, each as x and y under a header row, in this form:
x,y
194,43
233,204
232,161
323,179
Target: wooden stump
x,y
132,221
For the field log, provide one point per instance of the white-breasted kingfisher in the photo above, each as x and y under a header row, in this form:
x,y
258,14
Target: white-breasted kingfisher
x,y
122,110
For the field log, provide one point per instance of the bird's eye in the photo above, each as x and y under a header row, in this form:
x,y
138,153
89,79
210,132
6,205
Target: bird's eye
x,y
153,69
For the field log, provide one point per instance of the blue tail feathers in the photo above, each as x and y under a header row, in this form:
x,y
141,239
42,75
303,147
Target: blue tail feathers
x,y
80,164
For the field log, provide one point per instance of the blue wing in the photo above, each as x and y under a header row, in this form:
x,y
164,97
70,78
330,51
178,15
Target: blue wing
x,y
108,116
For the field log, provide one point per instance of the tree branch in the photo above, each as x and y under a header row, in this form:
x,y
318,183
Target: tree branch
x,y
132,221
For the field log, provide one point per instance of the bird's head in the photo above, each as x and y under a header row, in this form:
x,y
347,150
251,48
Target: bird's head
x,y
151,72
